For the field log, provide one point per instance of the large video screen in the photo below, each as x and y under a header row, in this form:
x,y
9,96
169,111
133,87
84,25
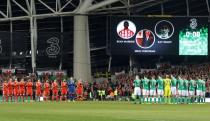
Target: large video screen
x,y
158,35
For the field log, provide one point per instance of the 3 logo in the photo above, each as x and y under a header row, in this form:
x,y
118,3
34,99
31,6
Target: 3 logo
x,y
193,24
54,49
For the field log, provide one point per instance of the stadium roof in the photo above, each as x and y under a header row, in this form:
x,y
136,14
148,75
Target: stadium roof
x,y
49,11
19,9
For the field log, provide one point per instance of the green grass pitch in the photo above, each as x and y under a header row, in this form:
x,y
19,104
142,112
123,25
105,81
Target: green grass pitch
x,y
102,111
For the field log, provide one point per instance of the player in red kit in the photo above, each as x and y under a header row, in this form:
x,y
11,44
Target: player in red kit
x,y
5,91
10,89
29,89
79,90
126,32
38,90
55,90
22,89
16,90
64,89
46,90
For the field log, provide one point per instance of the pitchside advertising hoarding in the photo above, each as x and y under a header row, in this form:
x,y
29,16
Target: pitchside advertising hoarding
x,y
159,35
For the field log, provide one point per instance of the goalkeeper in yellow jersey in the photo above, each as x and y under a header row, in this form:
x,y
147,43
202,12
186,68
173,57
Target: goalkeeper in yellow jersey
x,y
167,89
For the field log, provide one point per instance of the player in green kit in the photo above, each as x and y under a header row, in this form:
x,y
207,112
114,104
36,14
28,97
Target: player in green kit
x,y
192,90
173,89
185,91
198,90
180,85
137,90
160,89
145,89
152,89
203,94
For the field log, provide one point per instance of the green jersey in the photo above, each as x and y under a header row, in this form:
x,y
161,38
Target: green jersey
x,y
186,83
160,83
203,86
180,83
145,82
192,85
137,82
152,84
173,82
199,84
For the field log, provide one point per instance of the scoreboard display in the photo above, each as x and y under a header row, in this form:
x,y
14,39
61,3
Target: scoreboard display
x,y
158,35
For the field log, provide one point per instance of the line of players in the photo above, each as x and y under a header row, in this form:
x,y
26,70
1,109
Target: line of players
x,y
176,90
15,91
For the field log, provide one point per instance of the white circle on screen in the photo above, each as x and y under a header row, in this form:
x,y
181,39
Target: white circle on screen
x,y
126,29
145,39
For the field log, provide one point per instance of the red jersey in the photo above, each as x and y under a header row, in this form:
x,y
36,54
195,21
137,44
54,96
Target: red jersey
x,y
5,87
29,86
46,89
64,86
79,88
38,86
54,86
16,86
10,86
22,85
46,86
126,33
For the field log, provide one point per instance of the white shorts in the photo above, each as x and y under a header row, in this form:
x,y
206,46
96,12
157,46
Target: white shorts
x,y
145,92
160,92
173,90
152,92
137,91
203,93
192,93
198,92
181,92
185,92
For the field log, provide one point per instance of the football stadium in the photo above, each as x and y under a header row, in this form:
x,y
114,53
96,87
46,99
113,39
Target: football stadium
x,y
104,60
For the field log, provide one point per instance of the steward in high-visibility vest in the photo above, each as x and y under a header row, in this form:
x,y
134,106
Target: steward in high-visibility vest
x,y
103,94
100,94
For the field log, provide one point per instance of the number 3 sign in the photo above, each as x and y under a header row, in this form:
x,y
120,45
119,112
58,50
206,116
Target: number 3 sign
x,y
54,48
